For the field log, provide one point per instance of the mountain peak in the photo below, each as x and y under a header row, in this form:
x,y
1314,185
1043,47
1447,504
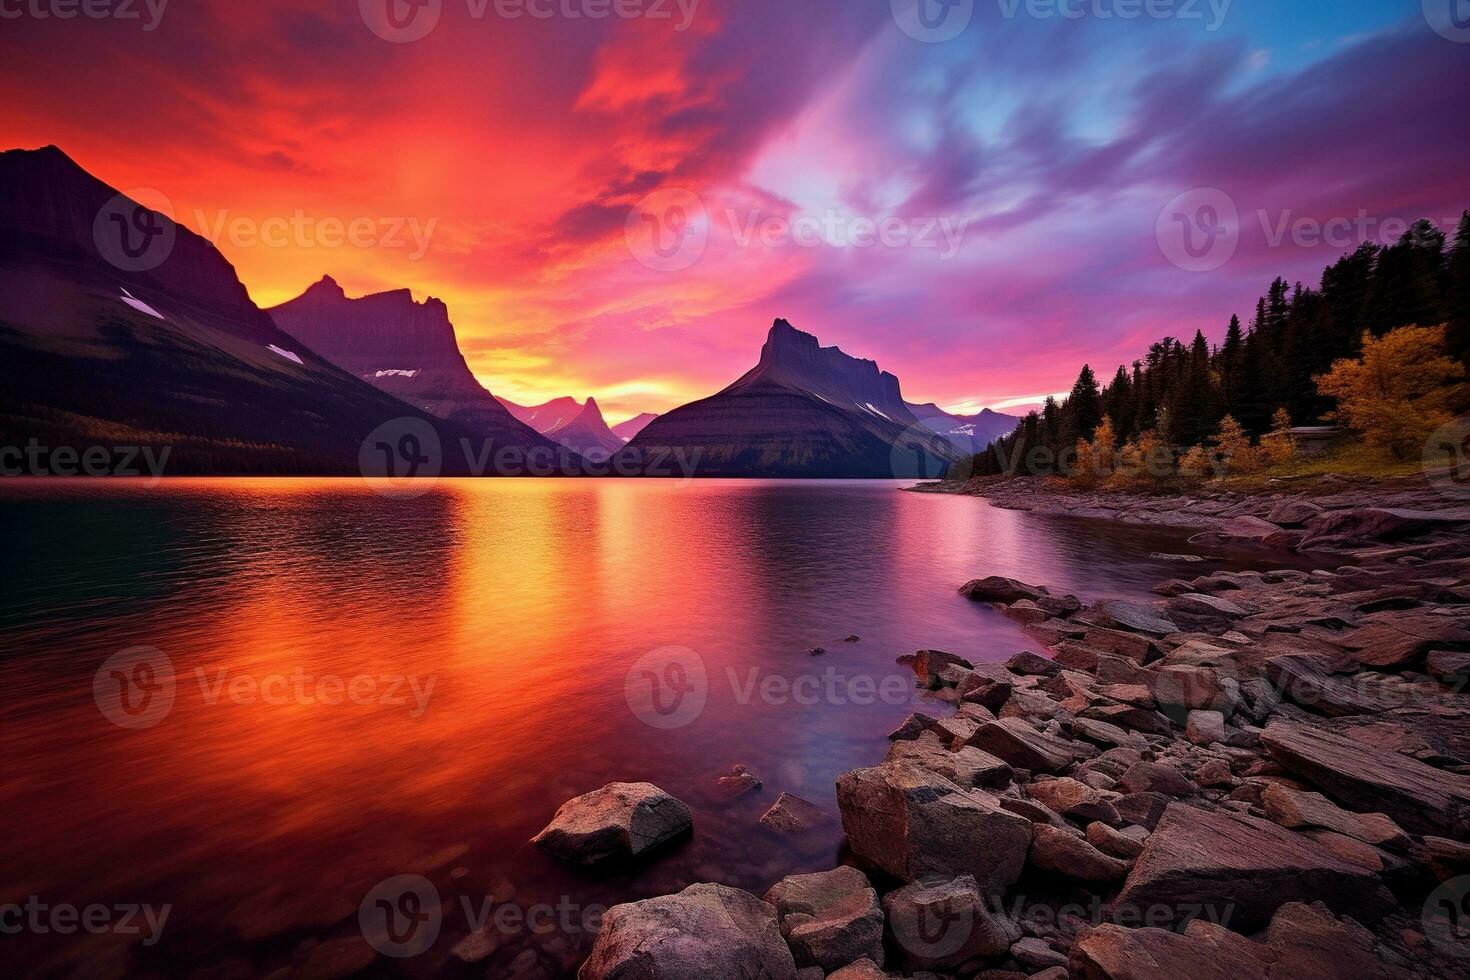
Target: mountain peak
x,y
328,286
590,406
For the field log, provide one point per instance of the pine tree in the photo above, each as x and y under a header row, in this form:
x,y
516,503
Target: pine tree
x,y
1085,404
1457,294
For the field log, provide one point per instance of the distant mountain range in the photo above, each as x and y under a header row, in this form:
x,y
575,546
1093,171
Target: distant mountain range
x,y
120,327
804,410
579,427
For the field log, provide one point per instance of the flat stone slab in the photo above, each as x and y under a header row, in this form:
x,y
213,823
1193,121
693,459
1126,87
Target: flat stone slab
x,y
1226,862
1366,779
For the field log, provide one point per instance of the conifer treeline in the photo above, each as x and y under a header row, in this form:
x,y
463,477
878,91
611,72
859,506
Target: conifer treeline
x,y
1181,392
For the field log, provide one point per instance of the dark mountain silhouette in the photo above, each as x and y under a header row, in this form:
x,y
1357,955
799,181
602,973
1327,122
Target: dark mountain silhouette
x,y
967,433
804,410
627,430
587,432
406,349
120,327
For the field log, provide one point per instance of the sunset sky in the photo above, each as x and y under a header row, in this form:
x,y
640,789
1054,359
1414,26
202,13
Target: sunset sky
x,y
517,148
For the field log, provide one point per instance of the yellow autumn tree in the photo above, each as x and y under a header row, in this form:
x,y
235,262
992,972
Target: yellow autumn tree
x,y
1279,446
1196,463
1233,448
1096,459
1398,392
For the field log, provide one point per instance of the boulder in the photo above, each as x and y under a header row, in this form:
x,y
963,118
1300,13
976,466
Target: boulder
x,y
791,814
1365,778
1131,616
861,970
1295,809
705,930
1303,679
1064,853
1293,513
986,691
1102,733
914,725
1035,954
1124,644
1022,745
1196,604
1027,662
942,924
929,666
914,823
1383,523
830,918
621,820
996,588
1155,777
967,767
1204,727
1129,716
1073,799
736,783
1222,862
1115,842
1448,665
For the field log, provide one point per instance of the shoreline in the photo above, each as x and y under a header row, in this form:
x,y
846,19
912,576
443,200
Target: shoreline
x,y
1257,768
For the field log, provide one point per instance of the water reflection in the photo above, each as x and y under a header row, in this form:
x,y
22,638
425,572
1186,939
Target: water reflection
x,y
489,628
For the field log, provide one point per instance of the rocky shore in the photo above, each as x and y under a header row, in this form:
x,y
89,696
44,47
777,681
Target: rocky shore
x,y
1259,774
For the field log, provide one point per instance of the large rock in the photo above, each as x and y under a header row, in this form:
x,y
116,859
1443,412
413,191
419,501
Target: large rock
x,y
830,918
913,823
1384,523
1302,679
930,665
1021,744
937,925
1294,809
1231,863
1368,779
791,814
1132,616
621,820
966,766
704,931
1063,852
996,588
1071,798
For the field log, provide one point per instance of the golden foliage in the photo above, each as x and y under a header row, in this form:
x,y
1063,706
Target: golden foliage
x,y
1399,391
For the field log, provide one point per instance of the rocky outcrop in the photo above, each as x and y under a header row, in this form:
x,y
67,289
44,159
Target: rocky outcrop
x,y
621,820
703,931
830,918
913,824
942,924
1216,860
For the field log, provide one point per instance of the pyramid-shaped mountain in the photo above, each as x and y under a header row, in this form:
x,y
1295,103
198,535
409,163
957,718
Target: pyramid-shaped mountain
x,y
803,410
967,433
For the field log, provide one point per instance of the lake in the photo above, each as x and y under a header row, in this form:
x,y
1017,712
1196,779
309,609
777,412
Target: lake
x,y
337,687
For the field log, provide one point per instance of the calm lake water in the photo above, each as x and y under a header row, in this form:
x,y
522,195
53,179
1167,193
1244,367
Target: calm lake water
x,y
364,687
